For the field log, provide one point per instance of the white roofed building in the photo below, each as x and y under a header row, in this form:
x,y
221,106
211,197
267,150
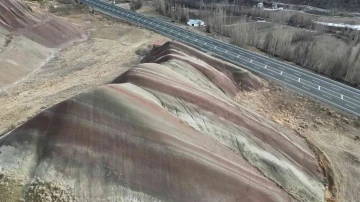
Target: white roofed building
x,y
196,23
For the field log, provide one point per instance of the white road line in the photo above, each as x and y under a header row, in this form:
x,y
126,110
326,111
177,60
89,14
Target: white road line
x,y
306,87
319,88
250,61
326,96
215,47
299,80
205,43
307,92
288,68
270,60
265,66
281,72
238,56
225,51
335,88
288,80
271,73
315,81
342,97
350,106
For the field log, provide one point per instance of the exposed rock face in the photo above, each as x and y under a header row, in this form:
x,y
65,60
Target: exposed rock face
x,y
43,29
166,130
29,39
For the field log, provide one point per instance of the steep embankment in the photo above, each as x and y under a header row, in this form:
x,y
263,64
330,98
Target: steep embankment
x,y
166,130
29,39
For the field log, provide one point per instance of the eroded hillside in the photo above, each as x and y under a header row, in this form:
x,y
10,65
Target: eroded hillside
x,y
29,39
167,129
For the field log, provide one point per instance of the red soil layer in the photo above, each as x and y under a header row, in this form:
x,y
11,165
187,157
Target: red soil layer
x,y
123,135
44,29
266,137
153,151
242,78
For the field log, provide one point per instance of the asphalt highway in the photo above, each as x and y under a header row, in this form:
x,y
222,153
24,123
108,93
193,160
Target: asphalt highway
x,y
329,91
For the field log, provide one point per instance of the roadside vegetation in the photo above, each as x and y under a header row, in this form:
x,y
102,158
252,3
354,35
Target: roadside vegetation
x,y
135,4
289,35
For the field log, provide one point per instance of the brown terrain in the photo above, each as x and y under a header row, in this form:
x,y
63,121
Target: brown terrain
x,y
30,39
110,118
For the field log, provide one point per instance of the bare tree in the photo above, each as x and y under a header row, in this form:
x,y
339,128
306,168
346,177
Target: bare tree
x,y
135,4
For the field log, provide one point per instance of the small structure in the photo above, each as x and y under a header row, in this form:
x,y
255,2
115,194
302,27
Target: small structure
x,y
260,5
195,23
274,6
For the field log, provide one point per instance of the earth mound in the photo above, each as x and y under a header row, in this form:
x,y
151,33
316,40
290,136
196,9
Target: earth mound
x,y
28,39
165,130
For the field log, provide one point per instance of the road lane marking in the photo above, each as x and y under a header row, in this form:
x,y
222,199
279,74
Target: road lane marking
x,y
319,88
299,80
305,87
288,80
281,72
350,106
342,97
307,92
326,96
287,67
265,66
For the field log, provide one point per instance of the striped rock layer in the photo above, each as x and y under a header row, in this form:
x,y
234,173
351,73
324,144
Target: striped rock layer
x,y
166,130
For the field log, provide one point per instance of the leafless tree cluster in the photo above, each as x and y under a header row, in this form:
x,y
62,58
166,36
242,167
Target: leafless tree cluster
x,y
300,46
174,11
135,4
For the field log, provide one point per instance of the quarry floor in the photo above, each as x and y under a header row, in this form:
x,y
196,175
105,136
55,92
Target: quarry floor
x,y
113,46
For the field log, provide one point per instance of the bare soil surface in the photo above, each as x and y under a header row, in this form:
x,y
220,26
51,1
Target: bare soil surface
x,y
333,132
105,55
29,39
